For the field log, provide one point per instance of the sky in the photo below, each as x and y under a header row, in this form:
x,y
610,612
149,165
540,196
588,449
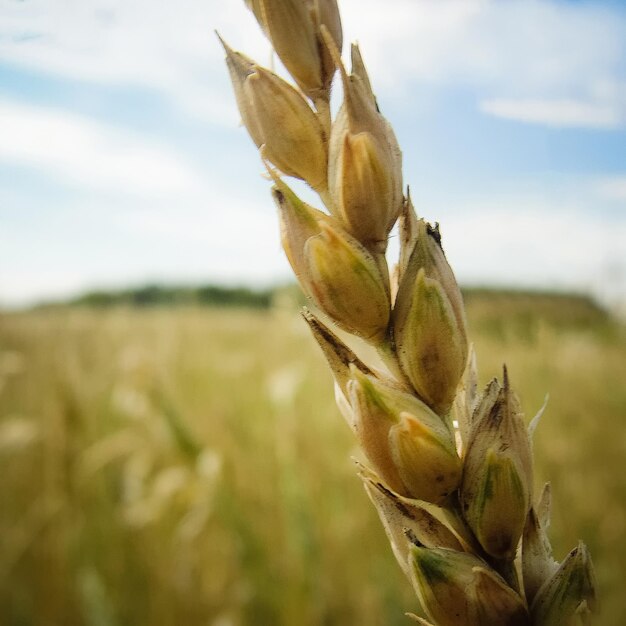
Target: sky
x,y
123,161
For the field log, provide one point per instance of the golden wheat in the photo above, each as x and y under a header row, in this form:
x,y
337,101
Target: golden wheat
x,y
451,470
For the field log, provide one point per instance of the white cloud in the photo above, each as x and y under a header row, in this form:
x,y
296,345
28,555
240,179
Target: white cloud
x,y
612,188
162,45
520,45
242,242
183,244
515,239
160,219
514,50
557,113
534,243
82,152
533,60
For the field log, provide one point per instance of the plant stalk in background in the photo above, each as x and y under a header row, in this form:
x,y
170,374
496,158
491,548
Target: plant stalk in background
x,y
451,470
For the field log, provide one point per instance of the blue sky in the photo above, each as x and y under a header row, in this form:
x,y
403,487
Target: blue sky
x,y
122,160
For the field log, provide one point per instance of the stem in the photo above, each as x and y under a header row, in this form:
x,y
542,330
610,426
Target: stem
x,y
381,262
322,106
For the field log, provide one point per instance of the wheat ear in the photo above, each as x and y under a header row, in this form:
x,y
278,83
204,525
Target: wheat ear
x,y
451,471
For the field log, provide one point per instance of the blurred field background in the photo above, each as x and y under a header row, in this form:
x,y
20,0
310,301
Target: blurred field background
x,y
187,465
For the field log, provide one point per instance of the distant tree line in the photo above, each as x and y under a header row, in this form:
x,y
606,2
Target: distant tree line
x,y
492,305
162,295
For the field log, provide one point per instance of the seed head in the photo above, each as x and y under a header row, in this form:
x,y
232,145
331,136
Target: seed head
x,y
410,447
497,473
458,589
298,222
363,189
428,464
346,283
333,268
290,131
364,163
279,119
429,318
570,591
431,344
294,29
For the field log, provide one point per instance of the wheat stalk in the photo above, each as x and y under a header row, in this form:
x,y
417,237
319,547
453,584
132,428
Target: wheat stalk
x,y
451,469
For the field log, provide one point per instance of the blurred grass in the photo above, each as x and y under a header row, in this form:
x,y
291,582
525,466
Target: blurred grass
x,y
188,466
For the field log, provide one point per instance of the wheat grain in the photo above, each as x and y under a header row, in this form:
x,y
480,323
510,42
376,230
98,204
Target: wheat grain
x,y
451,473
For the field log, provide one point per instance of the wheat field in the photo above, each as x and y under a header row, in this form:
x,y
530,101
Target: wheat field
x,y
189,466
